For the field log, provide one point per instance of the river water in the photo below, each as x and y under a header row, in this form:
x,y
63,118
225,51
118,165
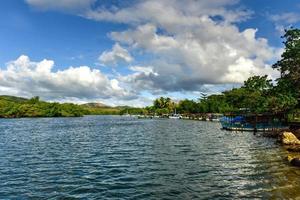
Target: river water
x,y
112,157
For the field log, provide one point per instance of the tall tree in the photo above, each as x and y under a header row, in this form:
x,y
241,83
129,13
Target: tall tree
x,y
258,83
289,65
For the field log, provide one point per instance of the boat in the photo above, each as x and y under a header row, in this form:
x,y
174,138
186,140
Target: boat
x,y
252,122
175,116
127,114
215,117
148,116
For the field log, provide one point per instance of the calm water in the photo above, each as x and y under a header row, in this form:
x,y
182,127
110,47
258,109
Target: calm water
x,y
109,157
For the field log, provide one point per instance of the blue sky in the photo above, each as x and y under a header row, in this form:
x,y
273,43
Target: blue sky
x,y
129,52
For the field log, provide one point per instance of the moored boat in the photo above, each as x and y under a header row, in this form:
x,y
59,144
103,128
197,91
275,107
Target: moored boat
x,y
252,122
175,116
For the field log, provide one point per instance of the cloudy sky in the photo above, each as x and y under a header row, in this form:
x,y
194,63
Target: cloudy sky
x,y
132,51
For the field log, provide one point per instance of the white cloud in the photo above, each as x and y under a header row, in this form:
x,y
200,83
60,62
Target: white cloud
x,y
116,55
190,48
145,37
187,60
27,78
141,69
141,78
169,13
189,44
243,68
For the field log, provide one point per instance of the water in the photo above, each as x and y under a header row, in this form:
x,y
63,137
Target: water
x,y
109,157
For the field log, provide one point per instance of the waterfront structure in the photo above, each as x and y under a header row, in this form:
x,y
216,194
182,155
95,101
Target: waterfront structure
x,y
254,122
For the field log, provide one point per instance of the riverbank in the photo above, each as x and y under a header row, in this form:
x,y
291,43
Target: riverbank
x,y
288,139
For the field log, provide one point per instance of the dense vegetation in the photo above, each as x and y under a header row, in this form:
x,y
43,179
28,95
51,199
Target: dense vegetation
x,y
15,107
100,109
12,107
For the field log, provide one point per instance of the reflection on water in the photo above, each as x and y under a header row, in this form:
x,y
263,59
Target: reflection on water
x,y
126,158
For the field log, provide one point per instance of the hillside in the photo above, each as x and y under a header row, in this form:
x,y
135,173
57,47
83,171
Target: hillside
x,y
12,98
100,109
95,105
15,107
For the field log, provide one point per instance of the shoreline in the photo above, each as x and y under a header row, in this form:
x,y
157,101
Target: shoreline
x,y
288,140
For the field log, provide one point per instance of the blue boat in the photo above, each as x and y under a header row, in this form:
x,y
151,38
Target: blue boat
x,y
262,122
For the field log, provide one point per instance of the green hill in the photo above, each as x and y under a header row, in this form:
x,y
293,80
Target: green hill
x,y
15,107
95,105
100,109
12,98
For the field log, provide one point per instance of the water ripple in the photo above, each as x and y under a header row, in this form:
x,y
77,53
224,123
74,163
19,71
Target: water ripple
x,y
111,157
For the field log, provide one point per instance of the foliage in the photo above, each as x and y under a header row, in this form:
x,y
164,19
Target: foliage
x,y
12,107
289,65
187,106
15,107
133,111
257,95
164,105
102,110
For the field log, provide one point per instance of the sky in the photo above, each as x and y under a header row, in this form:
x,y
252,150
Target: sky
x,y
122,52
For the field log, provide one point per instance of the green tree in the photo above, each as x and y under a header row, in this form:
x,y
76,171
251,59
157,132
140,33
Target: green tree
x,y
280,103
289,65
187,106
34,100
166,105
258,83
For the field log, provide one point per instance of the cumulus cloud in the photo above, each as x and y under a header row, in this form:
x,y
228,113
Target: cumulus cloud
x,y
145,37
193,43
24,77
141,78
116,55
187,60
141,69
170,12
190,44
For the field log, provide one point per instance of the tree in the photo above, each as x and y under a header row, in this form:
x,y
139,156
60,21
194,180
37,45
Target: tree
x,y
258,83
166,104
187,106
162,102
280,103
289,65
34,100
